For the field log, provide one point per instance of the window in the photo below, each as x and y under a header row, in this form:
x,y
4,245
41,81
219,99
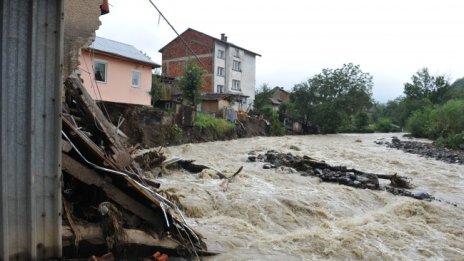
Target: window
x,y
100,71
168,105
220,54
220,71
236,85
220,89
136,78
236,52
237,66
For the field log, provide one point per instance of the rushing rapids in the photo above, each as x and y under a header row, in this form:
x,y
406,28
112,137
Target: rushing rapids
x,y
271,214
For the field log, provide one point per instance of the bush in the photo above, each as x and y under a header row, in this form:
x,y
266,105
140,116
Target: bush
x,y
174,134
444,123
220,126
420,123
454,141
277,127
385,125
449,119
360,120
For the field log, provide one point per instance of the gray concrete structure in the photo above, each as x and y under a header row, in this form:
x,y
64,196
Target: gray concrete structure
x,y
30,105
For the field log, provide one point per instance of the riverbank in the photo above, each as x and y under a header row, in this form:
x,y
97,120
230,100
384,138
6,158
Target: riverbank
x,y
425,149
148,127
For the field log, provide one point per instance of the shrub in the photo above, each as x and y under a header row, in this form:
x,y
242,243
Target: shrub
x,y
277,127
444,123
385,125
174,134
220,126
360,120
453,141
420,123
449,119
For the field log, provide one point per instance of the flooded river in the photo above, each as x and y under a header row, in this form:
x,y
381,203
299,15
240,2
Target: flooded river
x,y
271,215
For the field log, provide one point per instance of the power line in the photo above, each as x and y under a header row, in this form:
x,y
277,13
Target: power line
x,y
175,31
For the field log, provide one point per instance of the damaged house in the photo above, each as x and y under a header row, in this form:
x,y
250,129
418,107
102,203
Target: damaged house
x,y
70,185
230,78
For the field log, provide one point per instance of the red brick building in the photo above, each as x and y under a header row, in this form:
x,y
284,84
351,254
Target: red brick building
x,y
230,69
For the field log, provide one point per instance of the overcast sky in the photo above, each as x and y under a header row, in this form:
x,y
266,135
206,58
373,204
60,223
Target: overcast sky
x,y
391,39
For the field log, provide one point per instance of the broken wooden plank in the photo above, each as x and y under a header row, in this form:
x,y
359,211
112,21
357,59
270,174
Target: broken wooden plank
x,y
92,233
121,155
91,177
65,146
98,153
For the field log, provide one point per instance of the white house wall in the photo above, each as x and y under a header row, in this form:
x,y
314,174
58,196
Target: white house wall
x,y
247,75
218,62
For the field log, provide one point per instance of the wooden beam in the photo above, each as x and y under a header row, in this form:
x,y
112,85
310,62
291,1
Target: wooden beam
x,y
120,156
91,177
92,233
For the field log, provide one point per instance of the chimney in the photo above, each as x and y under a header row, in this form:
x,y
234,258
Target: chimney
x,y
223,37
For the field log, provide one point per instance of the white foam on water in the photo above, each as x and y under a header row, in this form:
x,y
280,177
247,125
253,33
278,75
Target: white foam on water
x,y
273,215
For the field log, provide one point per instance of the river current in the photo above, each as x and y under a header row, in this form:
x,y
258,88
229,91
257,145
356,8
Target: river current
x,y
268,214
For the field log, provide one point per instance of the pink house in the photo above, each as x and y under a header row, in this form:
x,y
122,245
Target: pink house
x,y
116,72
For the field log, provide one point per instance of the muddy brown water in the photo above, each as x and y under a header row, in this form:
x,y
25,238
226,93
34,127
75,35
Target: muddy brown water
x,y
273,215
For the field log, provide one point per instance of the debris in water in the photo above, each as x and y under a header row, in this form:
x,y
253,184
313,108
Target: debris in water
x,y
308,166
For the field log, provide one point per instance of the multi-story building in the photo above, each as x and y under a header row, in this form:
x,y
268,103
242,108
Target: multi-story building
x,y
230,69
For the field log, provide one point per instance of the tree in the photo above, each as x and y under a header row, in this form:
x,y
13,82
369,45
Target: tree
x,y
191,82
427,86
262,96
155,91
361,120
330,98
302,102
456,90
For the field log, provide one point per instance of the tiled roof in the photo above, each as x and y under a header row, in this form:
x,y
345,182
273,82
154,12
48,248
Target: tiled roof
x,y
216,39
120,49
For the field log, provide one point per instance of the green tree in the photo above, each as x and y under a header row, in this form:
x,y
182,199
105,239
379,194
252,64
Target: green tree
x,y
155,91
191,82
277,127
262,96
361,120
424,85
302,102
329,99
456,90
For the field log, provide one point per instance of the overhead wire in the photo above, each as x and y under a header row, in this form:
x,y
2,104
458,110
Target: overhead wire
x,y
175,31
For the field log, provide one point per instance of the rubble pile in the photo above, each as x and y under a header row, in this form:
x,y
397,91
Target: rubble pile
x,y
307,166
109,205
428,150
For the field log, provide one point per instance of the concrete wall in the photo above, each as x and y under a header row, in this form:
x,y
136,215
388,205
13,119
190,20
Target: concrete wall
x,y
81,20
118,86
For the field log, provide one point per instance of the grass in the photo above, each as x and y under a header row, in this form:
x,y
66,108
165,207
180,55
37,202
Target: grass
x,y
220,126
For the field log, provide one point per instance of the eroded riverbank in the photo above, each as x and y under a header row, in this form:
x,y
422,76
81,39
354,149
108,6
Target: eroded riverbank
x,y
272,215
